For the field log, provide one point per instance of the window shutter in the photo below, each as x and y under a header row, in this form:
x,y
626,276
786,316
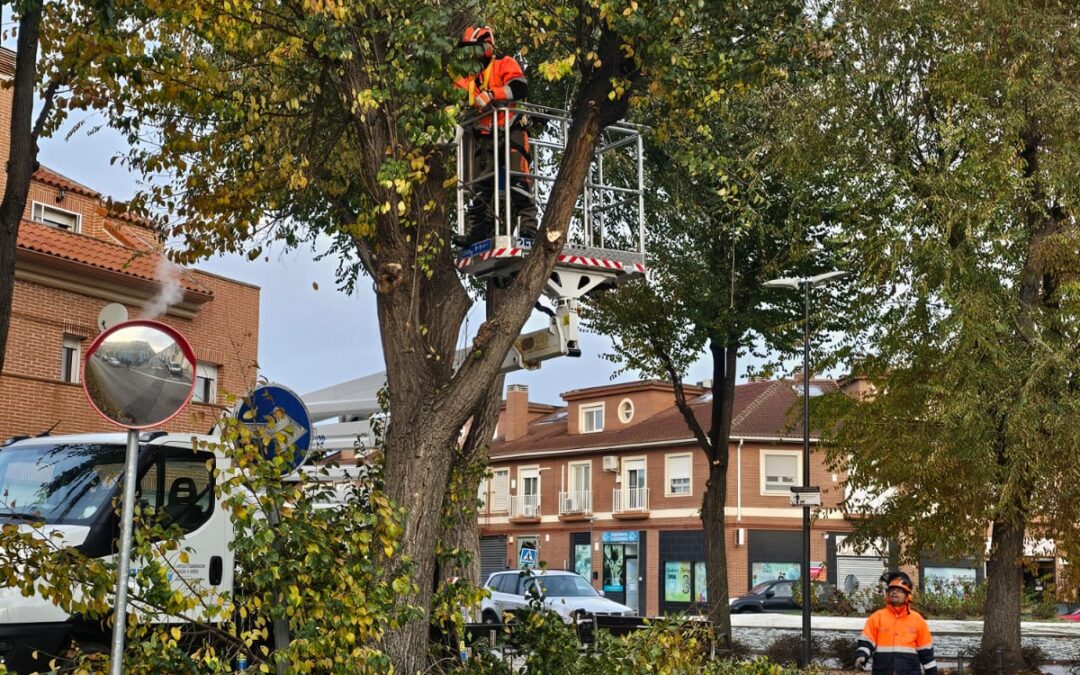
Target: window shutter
x,y
679,466
780,470
500,491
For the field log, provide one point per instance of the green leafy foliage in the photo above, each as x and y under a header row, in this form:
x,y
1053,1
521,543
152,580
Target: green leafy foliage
x,y
951,599
939,142
305,551
787,649
724,217
667,646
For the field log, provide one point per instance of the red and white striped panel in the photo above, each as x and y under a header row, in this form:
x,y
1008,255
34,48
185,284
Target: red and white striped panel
x,y
514,252
564,258
568,259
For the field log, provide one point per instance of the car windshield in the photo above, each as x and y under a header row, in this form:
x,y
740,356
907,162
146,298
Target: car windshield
x,y
762,587
567,587
61,484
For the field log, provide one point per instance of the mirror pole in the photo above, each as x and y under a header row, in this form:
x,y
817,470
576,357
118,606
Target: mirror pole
x,y
127,516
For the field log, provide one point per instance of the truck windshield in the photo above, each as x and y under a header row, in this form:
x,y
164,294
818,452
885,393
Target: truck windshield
x,y
58,483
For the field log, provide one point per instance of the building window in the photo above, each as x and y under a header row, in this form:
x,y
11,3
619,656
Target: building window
x,y
528,493
592,418
685,581
54,217
578,497
500,489
70,355
626,410
780,471
679,475
205,383
482,493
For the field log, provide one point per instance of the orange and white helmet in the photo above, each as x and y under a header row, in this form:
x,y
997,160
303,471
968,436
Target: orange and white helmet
x,y
479,35
898,580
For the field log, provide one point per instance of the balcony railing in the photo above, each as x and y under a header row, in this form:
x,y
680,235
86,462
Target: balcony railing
x,y
630,500
525,506
573,503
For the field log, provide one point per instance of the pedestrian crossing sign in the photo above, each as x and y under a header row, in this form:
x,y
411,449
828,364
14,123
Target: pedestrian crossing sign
x,y
526,557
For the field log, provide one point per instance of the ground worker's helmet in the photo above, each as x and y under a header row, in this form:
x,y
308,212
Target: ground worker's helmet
x,y
897,580
479,35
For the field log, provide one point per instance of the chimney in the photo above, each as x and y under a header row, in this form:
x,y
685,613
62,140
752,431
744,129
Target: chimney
x,y
517,411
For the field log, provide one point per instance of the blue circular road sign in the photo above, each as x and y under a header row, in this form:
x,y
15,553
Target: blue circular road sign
x,y
282,411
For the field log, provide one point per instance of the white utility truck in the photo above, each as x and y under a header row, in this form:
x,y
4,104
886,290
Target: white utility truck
x,y
69,483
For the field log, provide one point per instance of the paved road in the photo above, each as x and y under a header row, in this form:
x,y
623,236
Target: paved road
x,y
137,395
843,623
1060,640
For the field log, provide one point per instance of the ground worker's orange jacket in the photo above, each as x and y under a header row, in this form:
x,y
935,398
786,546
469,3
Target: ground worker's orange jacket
x,y
497,77
899,641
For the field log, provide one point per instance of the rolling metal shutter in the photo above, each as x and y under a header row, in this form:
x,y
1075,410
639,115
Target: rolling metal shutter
x,y
866,569
492,556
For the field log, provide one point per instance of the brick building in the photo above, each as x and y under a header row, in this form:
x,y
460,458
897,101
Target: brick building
x,y
610,485
75,256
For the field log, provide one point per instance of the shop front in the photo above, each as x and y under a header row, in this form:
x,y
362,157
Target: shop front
x,y
622,560
682,572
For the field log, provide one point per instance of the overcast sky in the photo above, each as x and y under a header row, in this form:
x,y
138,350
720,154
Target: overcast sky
x,y
308,338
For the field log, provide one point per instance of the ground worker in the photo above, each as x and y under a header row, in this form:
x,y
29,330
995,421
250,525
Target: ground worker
x,y
496,84
896,636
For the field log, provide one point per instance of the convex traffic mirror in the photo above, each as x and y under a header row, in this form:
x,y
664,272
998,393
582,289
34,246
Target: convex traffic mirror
x,y
139,374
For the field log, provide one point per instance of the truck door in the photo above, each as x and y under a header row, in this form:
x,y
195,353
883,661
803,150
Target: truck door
x,y
180,485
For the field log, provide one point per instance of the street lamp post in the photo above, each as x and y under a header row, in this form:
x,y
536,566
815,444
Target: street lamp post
x,y
805,283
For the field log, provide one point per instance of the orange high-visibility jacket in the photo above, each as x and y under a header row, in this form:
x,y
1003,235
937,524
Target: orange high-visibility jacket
x,y
899,641
497,77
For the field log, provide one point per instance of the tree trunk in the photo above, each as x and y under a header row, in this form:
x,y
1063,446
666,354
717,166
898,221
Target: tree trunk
x,y
1004,582
419,321
22,158
713,524
464,534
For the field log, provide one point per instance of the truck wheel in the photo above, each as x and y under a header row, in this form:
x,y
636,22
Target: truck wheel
x,y
489,617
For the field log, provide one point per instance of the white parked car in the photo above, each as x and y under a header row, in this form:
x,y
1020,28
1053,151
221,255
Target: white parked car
x,y
566,593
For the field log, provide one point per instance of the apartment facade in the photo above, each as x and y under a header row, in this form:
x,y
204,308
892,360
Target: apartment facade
x,y
77,253
610,485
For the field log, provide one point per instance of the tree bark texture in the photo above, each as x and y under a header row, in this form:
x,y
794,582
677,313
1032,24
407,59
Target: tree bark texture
x,y
724,351
713,523
419,318
1004,584
465,534
22,159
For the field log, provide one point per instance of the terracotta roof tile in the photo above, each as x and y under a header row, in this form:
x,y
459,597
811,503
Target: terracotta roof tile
x,y
766,409
57,179
51,241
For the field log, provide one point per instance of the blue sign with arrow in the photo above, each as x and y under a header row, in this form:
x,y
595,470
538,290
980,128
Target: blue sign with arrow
x,y
280,411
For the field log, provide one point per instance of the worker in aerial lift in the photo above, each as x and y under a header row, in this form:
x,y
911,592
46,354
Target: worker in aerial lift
x,y
498,82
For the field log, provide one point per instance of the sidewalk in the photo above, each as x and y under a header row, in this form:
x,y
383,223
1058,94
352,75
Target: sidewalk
x,y
937,627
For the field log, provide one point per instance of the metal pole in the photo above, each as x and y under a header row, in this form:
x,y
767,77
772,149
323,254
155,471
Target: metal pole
x,y
506,165
600,192
127,517
459,137
496,148
806,477
641,193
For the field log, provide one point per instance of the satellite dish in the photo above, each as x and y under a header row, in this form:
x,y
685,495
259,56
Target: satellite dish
x,y
111,314
851,583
